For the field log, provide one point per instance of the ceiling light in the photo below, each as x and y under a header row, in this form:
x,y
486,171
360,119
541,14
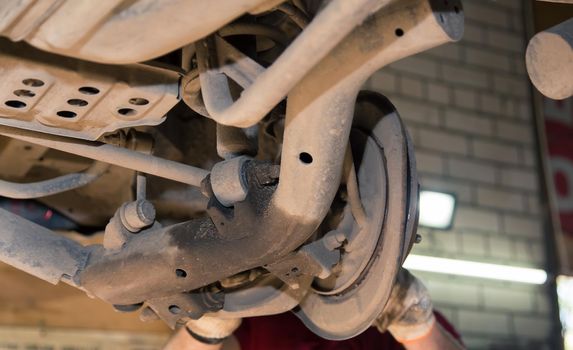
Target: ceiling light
x,y
475,269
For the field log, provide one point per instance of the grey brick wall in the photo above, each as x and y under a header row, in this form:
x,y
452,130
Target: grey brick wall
x,y
467,106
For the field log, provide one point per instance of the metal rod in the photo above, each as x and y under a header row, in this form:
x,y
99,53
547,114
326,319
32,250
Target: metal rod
x,y
52,186
325,31
140,186
106,153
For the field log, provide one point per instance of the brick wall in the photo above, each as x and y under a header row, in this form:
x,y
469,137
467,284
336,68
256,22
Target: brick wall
x,y
467,106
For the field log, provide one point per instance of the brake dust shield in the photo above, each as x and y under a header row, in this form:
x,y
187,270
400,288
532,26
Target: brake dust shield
x,y
347,303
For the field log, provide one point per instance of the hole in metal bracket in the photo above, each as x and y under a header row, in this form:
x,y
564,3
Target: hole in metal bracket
x,y
15,104
77,102
33,82
174,309
127,111
138,101
181,273
66,114
24,93
306,158
89,90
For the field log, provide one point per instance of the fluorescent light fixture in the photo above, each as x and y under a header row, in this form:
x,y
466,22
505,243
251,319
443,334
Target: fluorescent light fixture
x,y
437,209
475,269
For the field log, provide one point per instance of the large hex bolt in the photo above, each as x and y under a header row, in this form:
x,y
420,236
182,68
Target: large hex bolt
x,y
228,181
137,215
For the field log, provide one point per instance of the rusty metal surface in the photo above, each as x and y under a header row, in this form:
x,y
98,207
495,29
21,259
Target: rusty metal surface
x,y
39,251
328,29
64,96
348,302
321,106
108,153
53,186
264,241
118,31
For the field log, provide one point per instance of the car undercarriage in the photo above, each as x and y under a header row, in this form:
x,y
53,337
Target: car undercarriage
x,y
224,148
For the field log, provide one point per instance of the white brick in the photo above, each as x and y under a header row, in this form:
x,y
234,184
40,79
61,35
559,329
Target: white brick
x,y
517,24
525,179
462,191
444,242
519,65
488,59
496,151
505,40
533,327
438,93
473,244
480,11
500,199
430,162
491,103
474,32
507,299
478,219
522,253
529,158
418,65
480,342
443,141
418,112
465,98
511,85
444,292
412,87
517,132
533,203
522,226
538,253
470,123
471,170
483,322
450,51
383,81
464,76
501,247
524,110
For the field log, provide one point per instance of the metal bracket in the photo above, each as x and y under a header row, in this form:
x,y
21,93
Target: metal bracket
x,y
315,259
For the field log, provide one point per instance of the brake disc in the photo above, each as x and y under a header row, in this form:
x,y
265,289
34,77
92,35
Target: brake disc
x,y
347,303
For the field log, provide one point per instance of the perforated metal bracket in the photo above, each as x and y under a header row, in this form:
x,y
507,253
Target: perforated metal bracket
x,y
64,96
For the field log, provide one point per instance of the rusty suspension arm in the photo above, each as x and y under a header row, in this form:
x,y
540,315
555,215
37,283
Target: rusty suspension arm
x,y
321,105
319,118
